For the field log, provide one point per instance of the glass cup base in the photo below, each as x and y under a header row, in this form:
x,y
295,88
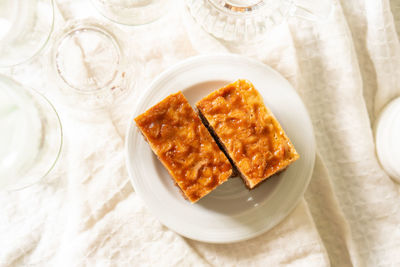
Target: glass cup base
x,y
92,65
134,12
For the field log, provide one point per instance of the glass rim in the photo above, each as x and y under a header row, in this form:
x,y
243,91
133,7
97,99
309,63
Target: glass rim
x,y
93,25
111,18
128,67
16,187
41,47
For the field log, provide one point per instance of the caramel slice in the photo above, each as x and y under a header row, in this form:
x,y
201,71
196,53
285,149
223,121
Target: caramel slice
x,y
184,146
248,131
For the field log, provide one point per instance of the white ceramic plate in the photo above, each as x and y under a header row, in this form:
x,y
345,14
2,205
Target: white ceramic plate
x,y
231,212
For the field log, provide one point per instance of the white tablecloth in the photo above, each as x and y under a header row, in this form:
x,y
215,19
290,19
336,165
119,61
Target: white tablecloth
x,y
345,69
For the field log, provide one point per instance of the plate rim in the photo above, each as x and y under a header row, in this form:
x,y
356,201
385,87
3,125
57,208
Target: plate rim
x,y
147,92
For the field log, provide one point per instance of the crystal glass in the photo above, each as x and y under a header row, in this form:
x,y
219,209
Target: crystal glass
x,y
91,64
131,12
249,20
25,27
30,135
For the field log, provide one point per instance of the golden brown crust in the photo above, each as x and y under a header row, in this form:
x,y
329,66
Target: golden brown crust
x,y
184,146
249,132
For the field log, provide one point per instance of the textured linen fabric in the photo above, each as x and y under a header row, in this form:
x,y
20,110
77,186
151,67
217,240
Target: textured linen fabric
x,y
345,68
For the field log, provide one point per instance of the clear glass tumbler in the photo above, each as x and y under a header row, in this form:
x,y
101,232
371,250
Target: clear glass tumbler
x,y
249,20
30,135
91,64
131,12
25,27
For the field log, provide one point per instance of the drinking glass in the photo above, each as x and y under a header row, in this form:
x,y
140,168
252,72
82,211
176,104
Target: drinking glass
x,y
25,27
30,135
91,63
249,20
131,12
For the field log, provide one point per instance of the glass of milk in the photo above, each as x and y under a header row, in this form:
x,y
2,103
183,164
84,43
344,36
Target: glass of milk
x,y
25,27
30,135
